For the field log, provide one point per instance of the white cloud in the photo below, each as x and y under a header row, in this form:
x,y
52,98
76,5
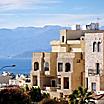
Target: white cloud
x,y
12,20
10,2
18,4
66,19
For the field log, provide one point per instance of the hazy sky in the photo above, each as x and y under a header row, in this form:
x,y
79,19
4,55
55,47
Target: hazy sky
x,y
14,13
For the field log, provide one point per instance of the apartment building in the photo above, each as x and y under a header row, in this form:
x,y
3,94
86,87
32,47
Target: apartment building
x,y
94,61
71,63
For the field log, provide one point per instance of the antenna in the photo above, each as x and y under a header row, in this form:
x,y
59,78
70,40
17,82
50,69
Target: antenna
x,y
97,23
98,19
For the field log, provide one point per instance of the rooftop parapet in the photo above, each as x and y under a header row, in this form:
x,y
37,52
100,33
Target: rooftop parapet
x,y
55,42
66,55
73,42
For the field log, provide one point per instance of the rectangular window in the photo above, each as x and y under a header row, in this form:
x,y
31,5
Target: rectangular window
x,y
87,83
93,85
59,83
62,38
60,67
35,81
46,66
53,83
66,82
67,67
81,78
97,68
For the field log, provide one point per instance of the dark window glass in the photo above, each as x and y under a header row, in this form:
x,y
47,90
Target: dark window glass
x,y
60,67
97,68
67,67
98,48
62,38
93,86
66,82
87,83
81,78
46,66
53,83
35,81
59,83
94,46
36,66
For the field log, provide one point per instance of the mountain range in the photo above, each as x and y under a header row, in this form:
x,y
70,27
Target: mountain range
x,y
22,41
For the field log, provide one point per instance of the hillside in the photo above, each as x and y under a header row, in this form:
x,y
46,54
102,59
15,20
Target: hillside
x,y
16,42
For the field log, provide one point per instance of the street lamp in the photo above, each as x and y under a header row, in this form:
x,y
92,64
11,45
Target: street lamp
x,y
7,66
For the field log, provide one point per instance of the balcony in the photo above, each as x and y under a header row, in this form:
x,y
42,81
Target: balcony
x,y
93,72
50,89
47,73
58,86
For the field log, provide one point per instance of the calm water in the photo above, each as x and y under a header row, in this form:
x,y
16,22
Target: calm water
x,y
22,65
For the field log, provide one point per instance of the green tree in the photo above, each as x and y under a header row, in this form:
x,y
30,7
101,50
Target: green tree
x,y
81,96
45,95
35,94
26,88
13,96
49,101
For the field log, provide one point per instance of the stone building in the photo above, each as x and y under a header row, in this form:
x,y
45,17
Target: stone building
x,y
94,61
75,60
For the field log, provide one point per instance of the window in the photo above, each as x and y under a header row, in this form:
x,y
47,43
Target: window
x,y
36,66
27,80
82,38
66,82
98,47
81,55
59,83
53,83
81,78
94,46
67,67
93,85
34,80
46,66
97,68
87,83
62,38
60,67
78,60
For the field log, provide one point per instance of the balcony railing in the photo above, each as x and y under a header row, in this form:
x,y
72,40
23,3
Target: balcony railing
x,y
50,88
93,72
58,86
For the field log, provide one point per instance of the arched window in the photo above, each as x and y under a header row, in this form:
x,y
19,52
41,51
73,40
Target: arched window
x,y
36,66
60,67
94,46
67,67
46,66
98,46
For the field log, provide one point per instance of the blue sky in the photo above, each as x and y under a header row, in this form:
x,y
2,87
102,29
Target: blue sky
x,y
18,13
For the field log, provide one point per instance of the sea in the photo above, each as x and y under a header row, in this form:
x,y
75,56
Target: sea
x,y
23,65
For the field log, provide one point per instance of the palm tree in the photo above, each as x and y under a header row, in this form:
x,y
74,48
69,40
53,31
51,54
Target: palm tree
x,y
81,96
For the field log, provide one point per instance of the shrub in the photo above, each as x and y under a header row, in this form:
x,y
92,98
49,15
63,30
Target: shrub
x,y
13,96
